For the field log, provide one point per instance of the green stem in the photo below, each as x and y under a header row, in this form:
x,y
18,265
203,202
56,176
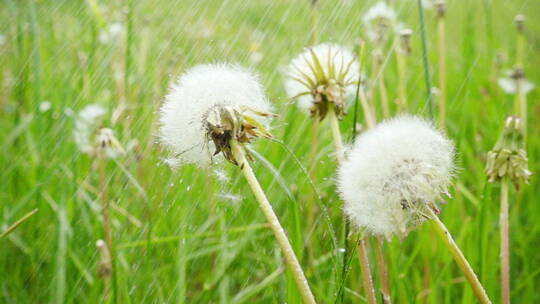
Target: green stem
x,y
277,229
460,259
505,255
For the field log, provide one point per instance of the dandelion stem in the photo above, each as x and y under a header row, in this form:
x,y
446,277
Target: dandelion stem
x,y
383,271
366,272
441,28
273,221
104,199
522,102
460,259
505,256
427,74
336,134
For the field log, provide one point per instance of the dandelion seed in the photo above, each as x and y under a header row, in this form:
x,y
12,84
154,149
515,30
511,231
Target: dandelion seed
x,y
394,173
322,76
209,105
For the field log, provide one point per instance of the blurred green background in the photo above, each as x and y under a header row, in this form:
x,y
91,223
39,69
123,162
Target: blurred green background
x,y
195,236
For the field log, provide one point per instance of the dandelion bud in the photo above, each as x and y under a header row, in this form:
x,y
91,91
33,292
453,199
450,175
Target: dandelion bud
x,y
105,265
395,174
508,159
520,22
323,76
209,106
405,36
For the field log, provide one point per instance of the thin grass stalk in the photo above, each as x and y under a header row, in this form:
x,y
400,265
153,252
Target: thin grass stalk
x,y
379,76
427,73
18,223
362,247
310,203
460,259
441,29
402,80
366,272
505,244
383,271
273,221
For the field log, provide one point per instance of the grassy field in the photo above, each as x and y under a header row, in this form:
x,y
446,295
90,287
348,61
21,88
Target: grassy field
x,y
194,236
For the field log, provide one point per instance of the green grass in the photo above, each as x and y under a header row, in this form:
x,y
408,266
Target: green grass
x,y
178,236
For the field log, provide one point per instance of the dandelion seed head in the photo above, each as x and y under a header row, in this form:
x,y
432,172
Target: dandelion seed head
x,y
393,173
186,111
340,72
378,20
86,123
508,83
107,145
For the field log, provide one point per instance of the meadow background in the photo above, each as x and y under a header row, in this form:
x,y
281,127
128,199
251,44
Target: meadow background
x,y
193,236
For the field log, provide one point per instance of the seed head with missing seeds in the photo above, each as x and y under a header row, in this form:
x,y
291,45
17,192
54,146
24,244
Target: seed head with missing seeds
x,y
208,106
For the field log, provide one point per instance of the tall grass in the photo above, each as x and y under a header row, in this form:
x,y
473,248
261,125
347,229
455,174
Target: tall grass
x,y
169,241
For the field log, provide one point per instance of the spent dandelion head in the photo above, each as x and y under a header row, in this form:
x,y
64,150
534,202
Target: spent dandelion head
x,y
207,107
86,123
508,159
514,79
323,76
394,173
379,21
107,145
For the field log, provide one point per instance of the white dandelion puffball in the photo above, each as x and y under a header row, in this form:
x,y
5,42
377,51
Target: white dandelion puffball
x,y
183,115
378,20
509,85
86,123
393,173
333,59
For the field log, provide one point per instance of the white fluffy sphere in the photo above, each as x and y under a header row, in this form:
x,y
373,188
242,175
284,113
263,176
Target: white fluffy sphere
x,y
183,128
394,173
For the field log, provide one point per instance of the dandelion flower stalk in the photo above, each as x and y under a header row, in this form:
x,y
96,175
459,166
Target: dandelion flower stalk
x,y
273,221
507,162
505,244
460,259
441,31
223,107
392,179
